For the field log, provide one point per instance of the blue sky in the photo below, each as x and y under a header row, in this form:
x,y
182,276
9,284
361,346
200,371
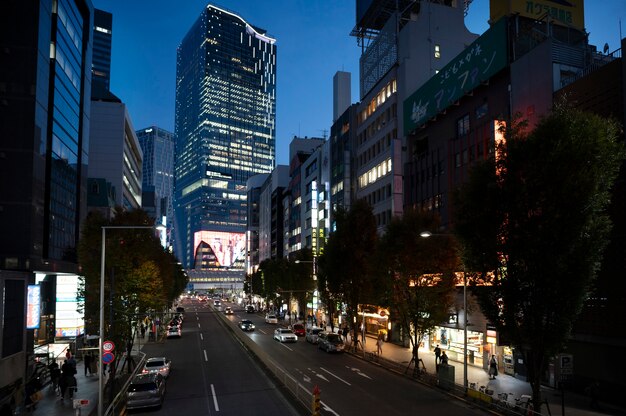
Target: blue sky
x,y
313,43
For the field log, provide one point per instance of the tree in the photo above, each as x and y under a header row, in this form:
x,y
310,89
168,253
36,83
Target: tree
x,y
140,275
419,273
536,217
347,259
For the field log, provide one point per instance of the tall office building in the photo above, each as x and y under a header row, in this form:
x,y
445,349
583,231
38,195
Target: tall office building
x,y
101,61
225,133
45,84
158,176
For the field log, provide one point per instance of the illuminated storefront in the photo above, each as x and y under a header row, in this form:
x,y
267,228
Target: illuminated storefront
x,y
450,340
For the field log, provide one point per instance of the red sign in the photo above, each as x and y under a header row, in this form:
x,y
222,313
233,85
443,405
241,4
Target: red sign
x,y
108,346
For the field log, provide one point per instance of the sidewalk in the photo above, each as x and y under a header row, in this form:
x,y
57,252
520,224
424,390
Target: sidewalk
x,y
575,404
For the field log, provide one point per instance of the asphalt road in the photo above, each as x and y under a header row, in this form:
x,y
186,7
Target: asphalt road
x,y
212,374
350,386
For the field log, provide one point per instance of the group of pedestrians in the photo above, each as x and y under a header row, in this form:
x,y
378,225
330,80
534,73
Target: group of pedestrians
x,y
64,378
441,358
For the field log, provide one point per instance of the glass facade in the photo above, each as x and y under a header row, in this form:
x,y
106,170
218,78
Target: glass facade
x,y
225,124
102,36
158,171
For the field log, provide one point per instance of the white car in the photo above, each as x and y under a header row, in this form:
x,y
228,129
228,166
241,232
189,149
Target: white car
x,y
285,335
311,334
158,365
174,332
271,319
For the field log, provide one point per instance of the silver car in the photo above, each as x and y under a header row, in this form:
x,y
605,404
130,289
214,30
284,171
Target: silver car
x,y
329,341
311,334
157,365
146,390
285,335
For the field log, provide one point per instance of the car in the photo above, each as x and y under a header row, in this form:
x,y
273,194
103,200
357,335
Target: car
x,y
217,303
174,332
145,390
250,309
298,329
228,310
157,365
329,342
246,325
180,309
311,334
285,335
271,319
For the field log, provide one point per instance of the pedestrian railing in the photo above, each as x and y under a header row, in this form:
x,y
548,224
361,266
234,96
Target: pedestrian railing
x,y
119,401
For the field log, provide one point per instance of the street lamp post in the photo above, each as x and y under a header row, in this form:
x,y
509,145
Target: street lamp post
x,y
314,263
426,234
101,329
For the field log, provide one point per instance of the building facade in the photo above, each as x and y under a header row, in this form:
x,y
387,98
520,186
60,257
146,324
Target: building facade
x,y
101,61
115,153
44,129
225,132
158,146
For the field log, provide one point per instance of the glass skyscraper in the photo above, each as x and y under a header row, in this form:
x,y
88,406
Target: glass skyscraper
x,y
225,132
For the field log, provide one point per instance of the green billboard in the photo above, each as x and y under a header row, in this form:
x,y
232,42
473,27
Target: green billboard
x,y
477,63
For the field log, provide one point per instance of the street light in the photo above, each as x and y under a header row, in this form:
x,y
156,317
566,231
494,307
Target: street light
x,y
314,263
101,334
427,234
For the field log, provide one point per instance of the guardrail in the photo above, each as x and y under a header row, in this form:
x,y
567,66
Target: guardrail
x,y
118,405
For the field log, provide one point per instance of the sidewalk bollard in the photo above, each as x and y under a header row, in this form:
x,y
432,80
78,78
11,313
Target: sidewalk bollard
x,y
315,406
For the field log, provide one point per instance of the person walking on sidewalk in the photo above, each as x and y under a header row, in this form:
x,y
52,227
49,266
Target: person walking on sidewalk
x,y
437,354
87,362
379,344
444,358
493,367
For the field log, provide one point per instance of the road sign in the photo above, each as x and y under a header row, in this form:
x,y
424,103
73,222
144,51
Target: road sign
x,y
108,357
108,346
566,362
78,403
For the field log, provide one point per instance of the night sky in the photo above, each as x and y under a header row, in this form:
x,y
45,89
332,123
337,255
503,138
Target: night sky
x,y
313,43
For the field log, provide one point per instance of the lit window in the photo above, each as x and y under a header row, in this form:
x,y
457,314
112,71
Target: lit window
x,y
437,52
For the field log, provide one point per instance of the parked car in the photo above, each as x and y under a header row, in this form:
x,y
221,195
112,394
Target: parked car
x,y
329,341
246,325
174,332
157,365
285,335
271,319
250,309
145,390
228,310
298,329
311,334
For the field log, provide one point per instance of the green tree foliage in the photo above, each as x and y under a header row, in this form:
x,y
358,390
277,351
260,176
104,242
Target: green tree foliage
x,y
141,278
419,272
348,259
537,217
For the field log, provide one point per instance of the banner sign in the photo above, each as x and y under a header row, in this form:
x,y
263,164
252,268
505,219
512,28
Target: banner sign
x,y
486,56
34,307
563,12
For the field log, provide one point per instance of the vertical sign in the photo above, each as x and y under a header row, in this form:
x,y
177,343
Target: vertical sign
x,y
34,307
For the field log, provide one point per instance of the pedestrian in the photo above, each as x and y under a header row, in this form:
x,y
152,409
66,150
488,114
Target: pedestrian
x,y
55,376
66,373
143,331
493,367
379,344
444,358
87,361
72,362
437,354
68,353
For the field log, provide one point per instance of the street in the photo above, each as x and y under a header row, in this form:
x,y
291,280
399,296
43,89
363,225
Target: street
x,y
229,382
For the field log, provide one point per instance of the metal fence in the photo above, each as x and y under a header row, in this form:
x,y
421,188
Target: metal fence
x,y
118,405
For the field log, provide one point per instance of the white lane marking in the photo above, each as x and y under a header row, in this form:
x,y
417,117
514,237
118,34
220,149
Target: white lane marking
x,y
217,408
205,356
338,378
197,317
263,332
356,370
198,325
286,346
201,337
328,409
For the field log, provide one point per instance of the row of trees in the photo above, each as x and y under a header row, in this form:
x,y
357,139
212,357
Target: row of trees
x,y
141,277
531,226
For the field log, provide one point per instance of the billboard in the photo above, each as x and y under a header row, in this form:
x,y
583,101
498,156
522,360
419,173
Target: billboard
x,y
69,322
33,312
486,56
219,250
563,12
